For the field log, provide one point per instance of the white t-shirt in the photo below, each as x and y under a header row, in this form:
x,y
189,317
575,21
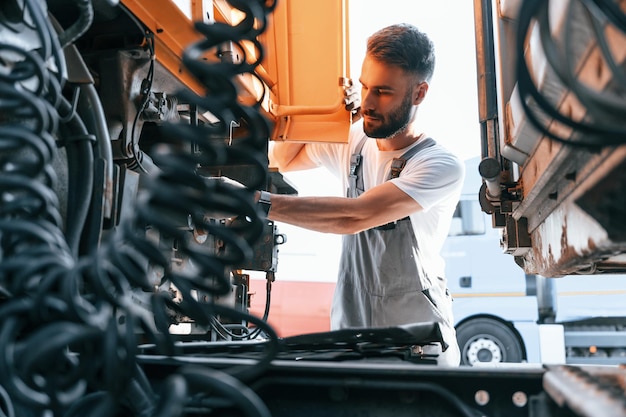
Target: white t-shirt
x,y
433,177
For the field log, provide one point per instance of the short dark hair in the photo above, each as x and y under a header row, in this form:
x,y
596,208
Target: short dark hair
x,y
405,46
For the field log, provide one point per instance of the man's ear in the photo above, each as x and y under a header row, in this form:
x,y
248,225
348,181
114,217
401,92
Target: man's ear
x,y
419,92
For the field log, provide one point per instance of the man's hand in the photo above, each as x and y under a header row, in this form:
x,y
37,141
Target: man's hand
x,y
352,100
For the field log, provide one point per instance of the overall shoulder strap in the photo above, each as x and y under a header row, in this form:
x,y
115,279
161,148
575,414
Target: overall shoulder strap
x,y
355,179
355,159
397,165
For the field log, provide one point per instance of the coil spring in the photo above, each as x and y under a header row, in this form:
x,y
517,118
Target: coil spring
x,y
52,300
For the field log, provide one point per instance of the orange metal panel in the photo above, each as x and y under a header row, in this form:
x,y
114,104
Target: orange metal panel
x,y
308,57
173,32
197,10
305,63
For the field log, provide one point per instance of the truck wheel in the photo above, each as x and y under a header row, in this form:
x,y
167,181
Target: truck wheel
x,y
484,340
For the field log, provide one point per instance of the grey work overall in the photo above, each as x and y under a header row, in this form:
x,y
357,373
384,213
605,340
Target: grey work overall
x,y
381,282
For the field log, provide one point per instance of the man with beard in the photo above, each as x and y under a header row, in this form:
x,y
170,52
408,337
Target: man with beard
x,y
402,189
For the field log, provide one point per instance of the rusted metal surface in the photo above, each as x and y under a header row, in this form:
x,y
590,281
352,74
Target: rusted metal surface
x,y
568,199
585,226
567,242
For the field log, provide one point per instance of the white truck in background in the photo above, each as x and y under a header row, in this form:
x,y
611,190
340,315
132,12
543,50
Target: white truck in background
x,y
503,314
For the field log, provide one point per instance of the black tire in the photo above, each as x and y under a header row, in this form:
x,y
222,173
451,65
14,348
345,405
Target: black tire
x,y
484,340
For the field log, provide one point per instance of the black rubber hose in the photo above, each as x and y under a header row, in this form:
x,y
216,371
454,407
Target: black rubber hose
x,y
80,159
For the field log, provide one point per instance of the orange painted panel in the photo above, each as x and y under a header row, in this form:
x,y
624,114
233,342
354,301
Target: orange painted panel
x,y
307,58
306,61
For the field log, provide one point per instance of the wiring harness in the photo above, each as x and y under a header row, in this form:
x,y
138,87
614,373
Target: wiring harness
x,y
70,323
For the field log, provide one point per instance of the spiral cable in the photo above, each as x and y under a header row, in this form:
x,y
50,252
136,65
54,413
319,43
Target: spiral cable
x,y
179,191
68,327
34,252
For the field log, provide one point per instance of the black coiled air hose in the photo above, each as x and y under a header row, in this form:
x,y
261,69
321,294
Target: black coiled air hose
x,y
37,325
68,324
178,191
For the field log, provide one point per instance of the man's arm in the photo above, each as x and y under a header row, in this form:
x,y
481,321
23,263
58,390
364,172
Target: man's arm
x,y
379,205
290,156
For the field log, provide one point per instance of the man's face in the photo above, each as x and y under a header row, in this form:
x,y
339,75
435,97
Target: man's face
x,y
392,123
387,102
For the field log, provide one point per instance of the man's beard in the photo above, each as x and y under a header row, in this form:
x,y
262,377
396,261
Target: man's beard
x,y
396,122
